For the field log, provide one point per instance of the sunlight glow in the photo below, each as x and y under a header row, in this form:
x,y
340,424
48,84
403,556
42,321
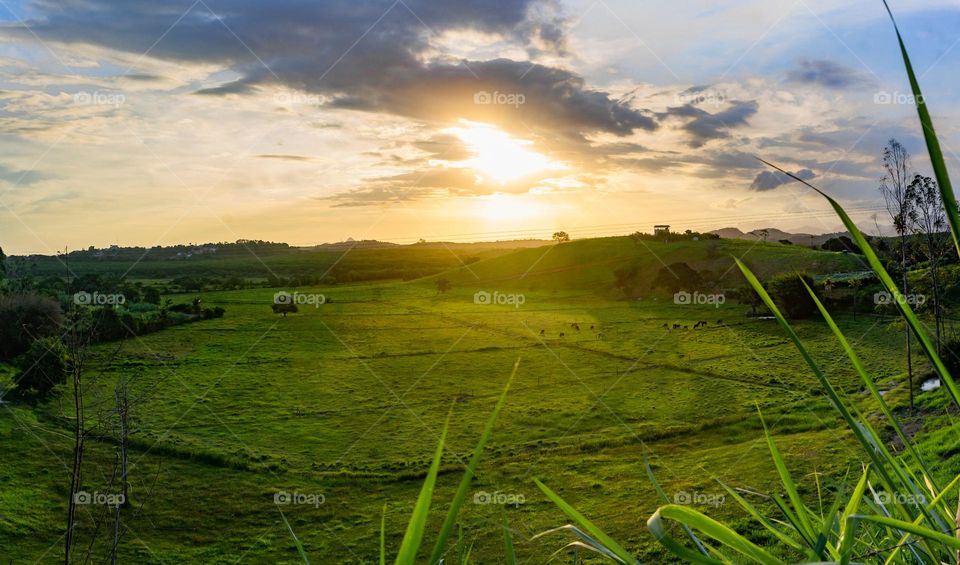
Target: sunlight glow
x,y
498,156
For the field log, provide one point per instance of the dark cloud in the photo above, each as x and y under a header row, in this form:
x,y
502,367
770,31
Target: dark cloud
x,y
704,126
374,55
19,177
285,157
443,146
414,185
826,73
768,180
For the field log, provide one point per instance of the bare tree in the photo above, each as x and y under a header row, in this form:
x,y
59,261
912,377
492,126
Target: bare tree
x,y
75,345
929,220
894,187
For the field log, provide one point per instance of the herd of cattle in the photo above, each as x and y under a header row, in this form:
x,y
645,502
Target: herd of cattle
x,y
600,335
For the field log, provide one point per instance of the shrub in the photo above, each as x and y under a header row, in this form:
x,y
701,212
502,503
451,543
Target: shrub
x,y
791,296
43,366
284,309
25,318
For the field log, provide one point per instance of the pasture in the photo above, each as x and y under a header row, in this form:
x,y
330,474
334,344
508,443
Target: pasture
x,y
344,402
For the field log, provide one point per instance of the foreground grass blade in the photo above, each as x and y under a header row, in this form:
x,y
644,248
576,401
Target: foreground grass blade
x,y
585,542
587,525
803,523
666,499
869,444
891,287
511,556
708,527
461,494
865,377
767,523
846,539
296,540
916,530
933,144
418,520
383,536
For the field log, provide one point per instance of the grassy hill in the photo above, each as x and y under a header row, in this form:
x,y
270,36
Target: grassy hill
x,y
591,263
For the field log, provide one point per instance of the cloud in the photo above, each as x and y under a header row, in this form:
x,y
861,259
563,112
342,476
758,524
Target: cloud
x,y
374,56
826,73
19,177
768,180
284,157
704,126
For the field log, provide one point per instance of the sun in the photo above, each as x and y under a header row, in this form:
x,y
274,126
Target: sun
x,y
498,156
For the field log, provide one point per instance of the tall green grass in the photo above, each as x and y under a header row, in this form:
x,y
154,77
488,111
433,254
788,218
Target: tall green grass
x,y
912,523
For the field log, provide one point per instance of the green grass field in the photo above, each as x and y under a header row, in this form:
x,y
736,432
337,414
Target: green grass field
x,y
347,400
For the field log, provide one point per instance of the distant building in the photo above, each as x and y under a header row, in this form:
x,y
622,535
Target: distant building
x,y
662,230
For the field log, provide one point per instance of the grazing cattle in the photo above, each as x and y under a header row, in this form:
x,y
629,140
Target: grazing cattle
x,y
542,332
676,326
667,326
575,326
700,324
719,322
562,334
591,327
686,327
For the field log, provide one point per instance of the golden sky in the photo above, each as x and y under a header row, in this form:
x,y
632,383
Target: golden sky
x,y
311,122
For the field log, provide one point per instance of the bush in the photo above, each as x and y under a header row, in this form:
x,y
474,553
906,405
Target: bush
x,y
284,309
790,295
25,318
43,366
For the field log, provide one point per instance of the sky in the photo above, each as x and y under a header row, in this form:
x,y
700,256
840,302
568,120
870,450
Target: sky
x,y
308,121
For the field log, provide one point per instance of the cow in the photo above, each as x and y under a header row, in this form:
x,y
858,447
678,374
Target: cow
x,y
542,332
562,334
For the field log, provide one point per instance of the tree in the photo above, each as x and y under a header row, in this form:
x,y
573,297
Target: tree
x,y
284,309
151,295
791,296
842,243
894,187
855,284
25,318
677,277
928,219
626,279
561,236
43,366
443,285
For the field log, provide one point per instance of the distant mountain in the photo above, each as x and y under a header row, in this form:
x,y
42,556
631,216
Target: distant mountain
x,y
774,234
